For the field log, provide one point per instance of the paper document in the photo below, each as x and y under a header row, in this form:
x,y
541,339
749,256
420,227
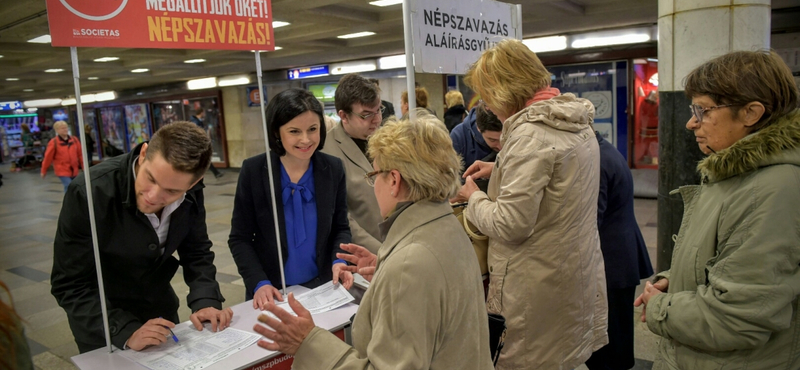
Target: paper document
x,y
324,298
196,349
359,281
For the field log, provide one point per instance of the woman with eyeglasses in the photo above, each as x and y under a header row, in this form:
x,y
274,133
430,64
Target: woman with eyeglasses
x,y
64,153
730,299
424,308
309,188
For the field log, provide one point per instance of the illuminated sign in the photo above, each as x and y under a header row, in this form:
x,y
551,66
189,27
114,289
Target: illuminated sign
x,y
10,105
307,72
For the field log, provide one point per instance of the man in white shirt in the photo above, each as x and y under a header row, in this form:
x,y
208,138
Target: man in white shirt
x,y
148,205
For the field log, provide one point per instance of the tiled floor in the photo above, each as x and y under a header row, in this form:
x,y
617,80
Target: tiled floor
x,y
29,208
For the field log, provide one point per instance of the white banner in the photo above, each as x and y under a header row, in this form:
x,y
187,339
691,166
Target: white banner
x,y
450,35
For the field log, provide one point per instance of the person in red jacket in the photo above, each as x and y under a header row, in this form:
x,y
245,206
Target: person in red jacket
x,y
64,152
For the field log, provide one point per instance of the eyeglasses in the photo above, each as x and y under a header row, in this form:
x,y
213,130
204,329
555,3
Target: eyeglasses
x,y
699,111
370,177
368,116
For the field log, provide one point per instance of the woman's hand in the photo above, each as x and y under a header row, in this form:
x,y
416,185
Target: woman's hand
x,y
265,295
466,191
479,170
340,273
650,290
288,332
363,260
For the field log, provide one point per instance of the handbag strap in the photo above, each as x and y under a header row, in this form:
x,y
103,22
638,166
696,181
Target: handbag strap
x,y
472,235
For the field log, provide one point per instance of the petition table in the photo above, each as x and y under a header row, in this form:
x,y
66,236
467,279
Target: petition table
x,y
250,358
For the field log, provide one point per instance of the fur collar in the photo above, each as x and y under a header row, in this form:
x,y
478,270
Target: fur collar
x,y
778,143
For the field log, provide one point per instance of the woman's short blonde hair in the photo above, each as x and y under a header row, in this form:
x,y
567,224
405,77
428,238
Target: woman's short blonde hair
x,y
421,95
453,98
507,76
421,150
59,124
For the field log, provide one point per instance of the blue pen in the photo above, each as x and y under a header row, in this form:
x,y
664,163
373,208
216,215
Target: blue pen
x,y
175,338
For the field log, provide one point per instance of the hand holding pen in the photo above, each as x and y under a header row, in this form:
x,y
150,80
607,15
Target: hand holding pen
x,y
154,332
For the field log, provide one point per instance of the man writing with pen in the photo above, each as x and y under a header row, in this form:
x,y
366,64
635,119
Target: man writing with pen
x,y
150,214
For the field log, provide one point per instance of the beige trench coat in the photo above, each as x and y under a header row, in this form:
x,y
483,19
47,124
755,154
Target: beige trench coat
x,y
424,308
540,213
362,207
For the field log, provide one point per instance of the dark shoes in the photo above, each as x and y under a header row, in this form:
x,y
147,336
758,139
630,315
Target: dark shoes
x,y
219,174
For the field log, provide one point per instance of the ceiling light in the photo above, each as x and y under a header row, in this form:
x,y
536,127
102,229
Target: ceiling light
x,y
43,39
202,83
392,62
140,70
12,79
27,90
106,59
1,56
352,67
105,96
266,51
54,70
233,80
278,48
93,78
191,61
41,103
357,34
606,40
32,110
544,44
385,2
70,101
279,24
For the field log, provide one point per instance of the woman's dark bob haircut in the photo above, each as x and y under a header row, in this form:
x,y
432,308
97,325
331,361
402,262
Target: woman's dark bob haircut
x,y
286,106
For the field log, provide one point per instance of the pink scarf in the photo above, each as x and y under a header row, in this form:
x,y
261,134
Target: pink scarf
x,y
543,94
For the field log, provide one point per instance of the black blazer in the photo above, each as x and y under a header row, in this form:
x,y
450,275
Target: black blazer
x,y
624,251
252,238
136,274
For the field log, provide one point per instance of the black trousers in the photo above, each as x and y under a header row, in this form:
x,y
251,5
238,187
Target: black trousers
x,y
618,353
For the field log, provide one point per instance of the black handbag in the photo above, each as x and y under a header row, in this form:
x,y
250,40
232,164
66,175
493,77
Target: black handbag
x,y
497,335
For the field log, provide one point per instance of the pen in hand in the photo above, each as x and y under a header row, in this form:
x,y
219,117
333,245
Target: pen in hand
x,y
175,338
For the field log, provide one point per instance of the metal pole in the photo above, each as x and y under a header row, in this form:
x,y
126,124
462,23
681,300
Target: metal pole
x,y
76,76
269,169
409,42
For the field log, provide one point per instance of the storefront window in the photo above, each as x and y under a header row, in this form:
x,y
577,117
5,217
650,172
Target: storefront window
x,y
205,112
606,86
645,127
166,112
137,123
112,121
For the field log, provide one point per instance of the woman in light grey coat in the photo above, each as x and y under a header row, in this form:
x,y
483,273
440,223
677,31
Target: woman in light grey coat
x,y
424,308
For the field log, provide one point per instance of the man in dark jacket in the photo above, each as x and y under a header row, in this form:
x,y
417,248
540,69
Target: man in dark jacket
x,y
625,256
148,205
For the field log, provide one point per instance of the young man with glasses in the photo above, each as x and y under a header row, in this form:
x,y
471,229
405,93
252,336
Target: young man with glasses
x,y
358,104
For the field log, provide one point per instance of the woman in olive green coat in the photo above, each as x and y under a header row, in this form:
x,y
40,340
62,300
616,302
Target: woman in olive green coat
x,y
730,299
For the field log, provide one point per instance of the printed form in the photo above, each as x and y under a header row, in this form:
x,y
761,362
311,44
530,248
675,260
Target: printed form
x,y
324,298
196,349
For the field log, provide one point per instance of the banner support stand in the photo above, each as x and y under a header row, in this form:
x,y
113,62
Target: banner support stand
x,y
76,76
409,45
269,169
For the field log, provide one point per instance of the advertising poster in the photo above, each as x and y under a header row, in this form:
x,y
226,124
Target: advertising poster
x,y
113,129
166,112
137,123
206,24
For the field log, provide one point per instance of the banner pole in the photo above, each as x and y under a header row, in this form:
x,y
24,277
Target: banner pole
x,y
76,76
269,169
409,45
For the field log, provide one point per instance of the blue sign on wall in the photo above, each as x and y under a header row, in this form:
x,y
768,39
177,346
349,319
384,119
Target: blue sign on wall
x,y
306,72
252,96
10,105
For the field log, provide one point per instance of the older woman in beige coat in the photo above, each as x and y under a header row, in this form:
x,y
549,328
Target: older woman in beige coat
x,y
540,213
424,308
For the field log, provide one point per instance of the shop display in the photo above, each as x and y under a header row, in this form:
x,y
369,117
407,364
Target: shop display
x,y
113,130
137,124
645,114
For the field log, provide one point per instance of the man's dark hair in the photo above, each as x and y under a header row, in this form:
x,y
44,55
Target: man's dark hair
x,y
186,147
286,106
486,120
354,89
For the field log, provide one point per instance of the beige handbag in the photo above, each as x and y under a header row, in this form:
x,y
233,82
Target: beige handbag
x,y
479,241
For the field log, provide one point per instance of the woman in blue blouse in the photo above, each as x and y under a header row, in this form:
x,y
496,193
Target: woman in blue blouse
x,y
312,208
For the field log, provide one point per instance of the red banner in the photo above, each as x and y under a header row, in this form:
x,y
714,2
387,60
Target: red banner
x,y
164,24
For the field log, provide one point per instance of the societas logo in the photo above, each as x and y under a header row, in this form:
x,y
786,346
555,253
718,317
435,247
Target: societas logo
x,y
94,10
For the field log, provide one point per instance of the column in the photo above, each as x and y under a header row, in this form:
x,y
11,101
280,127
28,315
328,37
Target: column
x,y
691,32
